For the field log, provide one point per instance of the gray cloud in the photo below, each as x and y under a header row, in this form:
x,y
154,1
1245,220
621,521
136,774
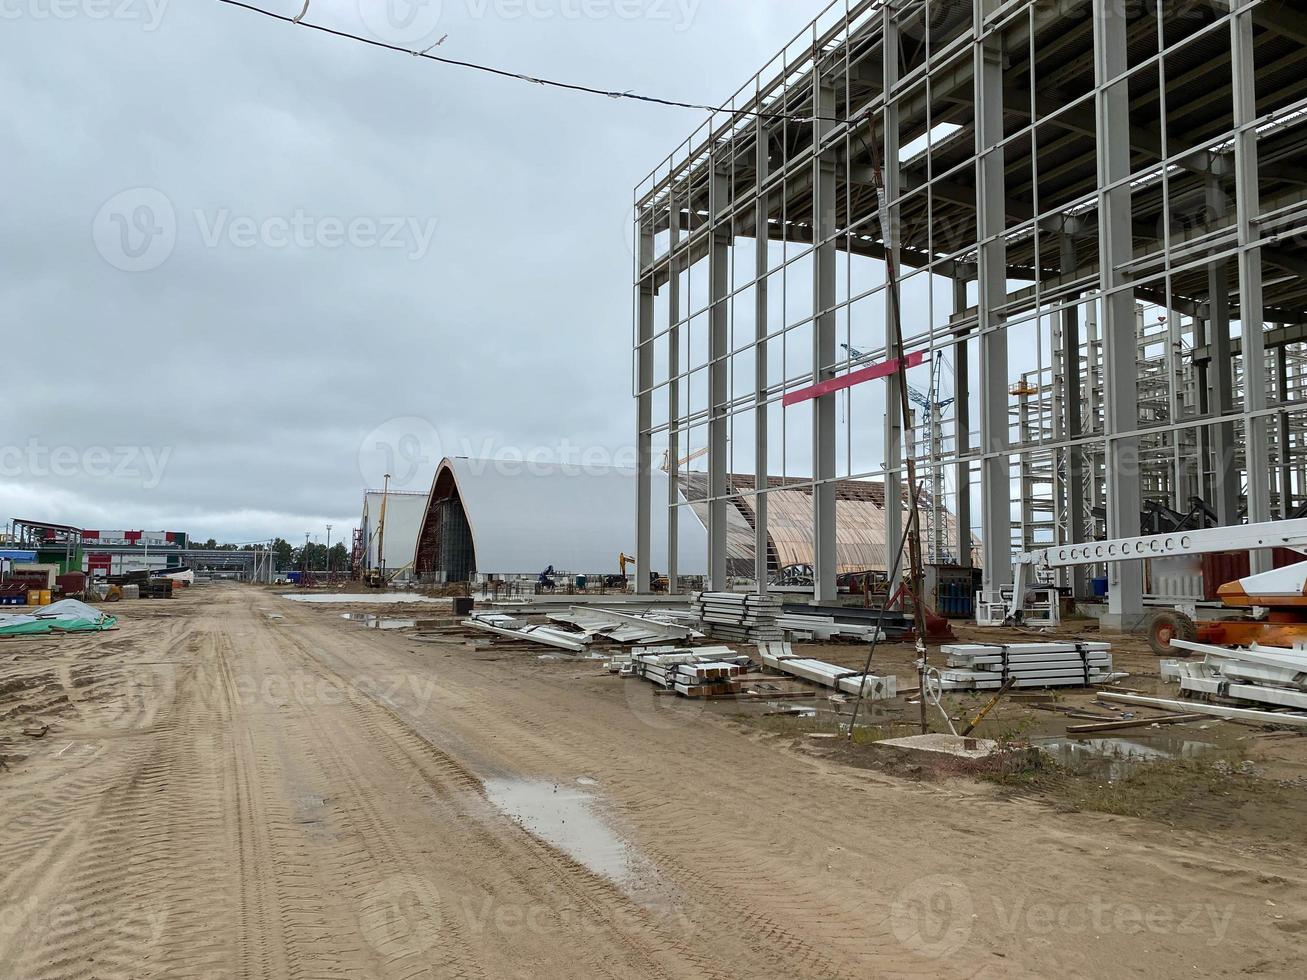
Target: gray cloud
x,y
260,368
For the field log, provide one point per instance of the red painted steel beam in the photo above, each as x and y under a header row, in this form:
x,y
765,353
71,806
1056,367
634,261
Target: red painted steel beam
x,y
855,378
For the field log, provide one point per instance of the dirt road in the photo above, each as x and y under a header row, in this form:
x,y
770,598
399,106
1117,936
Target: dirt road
x,y
239,786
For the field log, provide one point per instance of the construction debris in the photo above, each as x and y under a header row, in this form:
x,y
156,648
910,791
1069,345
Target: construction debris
x,y
515,629
781,657
981,666
738,616
1215,710
65,616
1260,675
621,627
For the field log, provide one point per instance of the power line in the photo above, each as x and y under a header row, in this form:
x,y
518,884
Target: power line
x,y
521,77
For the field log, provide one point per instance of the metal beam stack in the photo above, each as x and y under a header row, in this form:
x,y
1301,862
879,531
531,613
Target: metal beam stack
x,y
739,617
980,666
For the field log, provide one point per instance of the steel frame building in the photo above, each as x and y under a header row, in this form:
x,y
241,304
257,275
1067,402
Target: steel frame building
x,y
1100,217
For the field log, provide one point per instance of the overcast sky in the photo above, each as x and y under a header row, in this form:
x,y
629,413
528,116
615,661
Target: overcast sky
x,y
237,257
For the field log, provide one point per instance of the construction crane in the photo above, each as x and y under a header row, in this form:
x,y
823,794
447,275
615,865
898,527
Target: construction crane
x,y
1277,600
915,395
681,462
376,577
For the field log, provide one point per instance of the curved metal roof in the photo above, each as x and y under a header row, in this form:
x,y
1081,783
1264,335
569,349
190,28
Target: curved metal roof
x,y
526,516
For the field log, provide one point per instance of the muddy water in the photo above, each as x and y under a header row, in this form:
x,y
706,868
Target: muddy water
x,y
375,622
564,815
1115,757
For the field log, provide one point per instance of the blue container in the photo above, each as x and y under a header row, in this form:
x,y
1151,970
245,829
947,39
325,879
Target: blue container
x,y
1100,588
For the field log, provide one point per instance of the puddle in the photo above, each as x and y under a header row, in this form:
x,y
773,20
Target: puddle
x,y
564,817
371,598
1116,756
375,622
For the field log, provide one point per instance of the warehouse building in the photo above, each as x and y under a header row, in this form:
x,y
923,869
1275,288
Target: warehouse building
x,y
487,518
393,542
1099,216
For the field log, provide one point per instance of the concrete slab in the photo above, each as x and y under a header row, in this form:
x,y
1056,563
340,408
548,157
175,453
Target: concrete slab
x,y
944,744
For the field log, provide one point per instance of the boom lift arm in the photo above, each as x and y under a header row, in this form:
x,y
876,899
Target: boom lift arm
x,y
1242,537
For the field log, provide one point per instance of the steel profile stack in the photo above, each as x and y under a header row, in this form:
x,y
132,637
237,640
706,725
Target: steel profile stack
x,y
738,616
702,672
980,666
780,657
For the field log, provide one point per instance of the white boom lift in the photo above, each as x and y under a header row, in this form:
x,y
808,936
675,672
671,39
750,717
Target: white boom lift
x,y
1290,534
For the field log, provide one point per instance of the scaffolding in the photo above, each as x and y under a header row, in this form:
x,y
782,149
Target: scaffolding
x,y
1101,220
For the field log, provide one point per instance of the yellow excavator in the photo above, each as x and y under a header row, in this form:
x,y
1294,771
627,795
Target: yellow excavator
x,y
657,583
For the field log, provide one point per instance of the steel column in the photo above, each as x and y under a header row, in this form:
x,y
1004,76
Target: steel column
x,y
1072,427
644,375
760,448
892,177
962,427
1120,336
1247,210
991,220
1220,373
673,418
719,394
825,257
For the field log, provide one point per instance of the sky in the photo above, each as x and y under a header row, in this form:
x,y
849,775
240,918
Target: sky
x,y
247,268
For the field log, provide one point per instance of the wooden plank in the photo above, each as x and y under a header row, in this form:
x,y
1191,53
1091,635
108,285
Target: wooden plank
x,y
1112,726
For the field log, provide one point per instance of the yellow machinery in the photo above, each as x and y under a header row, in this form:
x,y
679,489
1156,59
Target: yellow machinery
x,y
376,578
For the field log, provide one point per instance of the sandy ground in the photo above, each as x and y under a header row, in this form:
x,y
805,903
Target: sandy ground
x,y
234,785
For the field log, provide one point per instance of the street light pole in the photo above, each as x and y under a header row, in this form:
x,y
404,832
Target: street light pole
x,y
328,552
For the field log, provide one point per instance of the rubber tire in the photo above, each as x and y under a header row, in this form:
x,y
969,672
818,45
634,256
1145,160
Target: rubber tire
x,y
1167,626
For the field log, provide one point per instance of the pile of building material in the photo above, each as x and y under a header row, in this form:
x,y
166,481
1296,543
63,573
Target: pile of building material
x,y
516,629
980,666
739,616
857,623
1259,677
620,627
695,673
65,616
781,657
588,625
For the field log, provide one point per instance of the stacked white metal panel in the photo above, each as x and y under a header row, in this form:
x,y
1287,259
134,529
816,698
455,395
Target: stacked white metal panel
x,y
1264,676
822,628
739,616
980,666
780,657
